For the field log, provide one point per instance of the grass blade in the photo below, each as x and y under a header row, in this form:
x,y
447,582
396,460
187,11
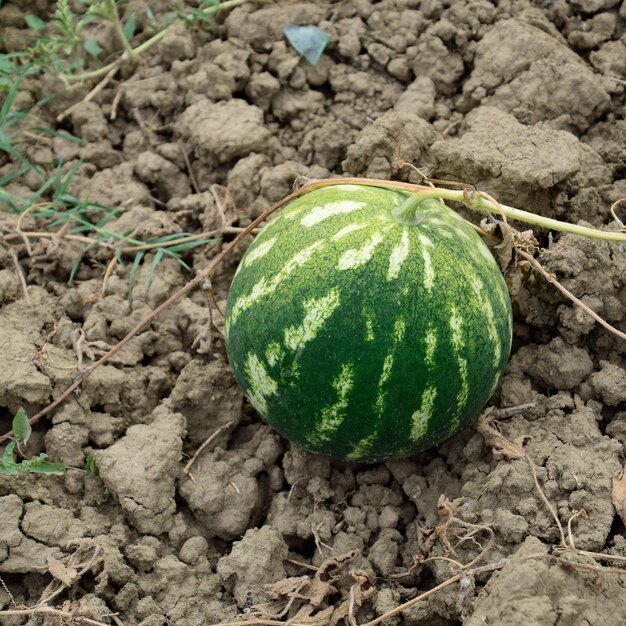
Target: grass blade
x,y
155,261
132,274
79,260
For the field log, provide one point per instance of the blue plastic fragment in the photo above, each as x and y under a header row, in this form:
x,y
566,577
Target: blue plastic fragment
x,y
309,41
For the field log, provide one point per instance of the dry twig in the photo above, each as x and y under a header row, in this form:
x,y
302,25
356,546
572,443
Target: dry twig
x,y
620,204
192,176
91,95
570,536
48,610
65,573
566,292
194,458
20,276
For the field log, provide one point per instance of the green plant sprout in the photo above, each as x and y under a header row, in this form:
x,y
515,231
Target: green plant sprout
x,y
65,216
90,465
39,464
15,133
60,46
64,48
10,68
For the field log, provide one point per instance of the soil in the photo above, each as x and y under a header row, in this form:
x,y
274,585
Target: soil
x,y
523,99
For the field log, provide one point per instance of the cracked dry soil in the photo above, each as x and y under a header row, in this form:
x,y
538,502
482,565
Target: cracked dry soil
x,y
523,99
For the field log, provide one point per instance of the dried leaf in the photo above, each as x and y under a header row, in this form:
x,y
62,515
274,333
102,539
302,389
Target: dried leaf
x,y
618,493
67,575
503,251
303,616
365,588
362,590
502,447
299,597
465,596
330,568
287,586
318,592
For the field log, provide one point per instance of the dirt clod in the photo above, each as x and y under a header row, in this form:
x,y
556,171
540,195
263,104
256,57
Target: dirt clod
x,y
140,470
254,561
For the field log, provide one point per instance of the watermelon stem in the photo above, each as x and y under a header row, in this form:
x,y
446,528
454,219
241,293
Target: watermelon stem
x,y
408,213
482,204
474,200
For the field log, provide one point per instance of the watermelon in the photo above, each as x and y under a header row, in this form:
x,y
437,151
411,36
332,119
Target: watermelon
x,y
366,323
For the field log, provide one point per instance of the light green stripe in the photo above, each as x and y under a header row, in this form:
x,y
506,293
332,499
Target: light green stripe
x,y
369,326
317,311
261,384
485,303
398,255
421,418
456,326
355,258
321,213
431,345
456,321
274,354
384,377
346,230
398,335
333,415
363,447
264,287
257,252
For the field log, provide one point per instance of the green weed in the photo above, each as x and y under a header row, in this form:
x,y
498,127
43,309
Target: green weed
x,y
90,465
63,215
39,464
64,47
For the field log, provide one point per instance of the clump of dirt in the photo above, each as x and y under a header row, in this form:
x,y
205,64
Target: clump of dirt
x,y
534,588
200,513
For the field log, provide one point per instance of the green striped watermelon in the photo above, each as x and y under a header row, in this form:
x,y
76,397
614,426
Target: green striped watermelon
x,y
364,325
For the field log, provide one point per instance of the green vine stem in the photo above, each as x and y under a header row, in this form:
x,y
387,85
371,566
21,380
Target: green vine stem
x,y
473,200
130,53
119,29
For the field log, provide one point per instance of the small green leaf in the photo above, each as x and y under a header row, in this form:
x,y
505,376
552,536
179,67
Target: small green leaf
x,y
21,426
40,465
129,27
36,465
151,18
34,22
198,14
8,464
90,465
92,48
169,19
78,261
